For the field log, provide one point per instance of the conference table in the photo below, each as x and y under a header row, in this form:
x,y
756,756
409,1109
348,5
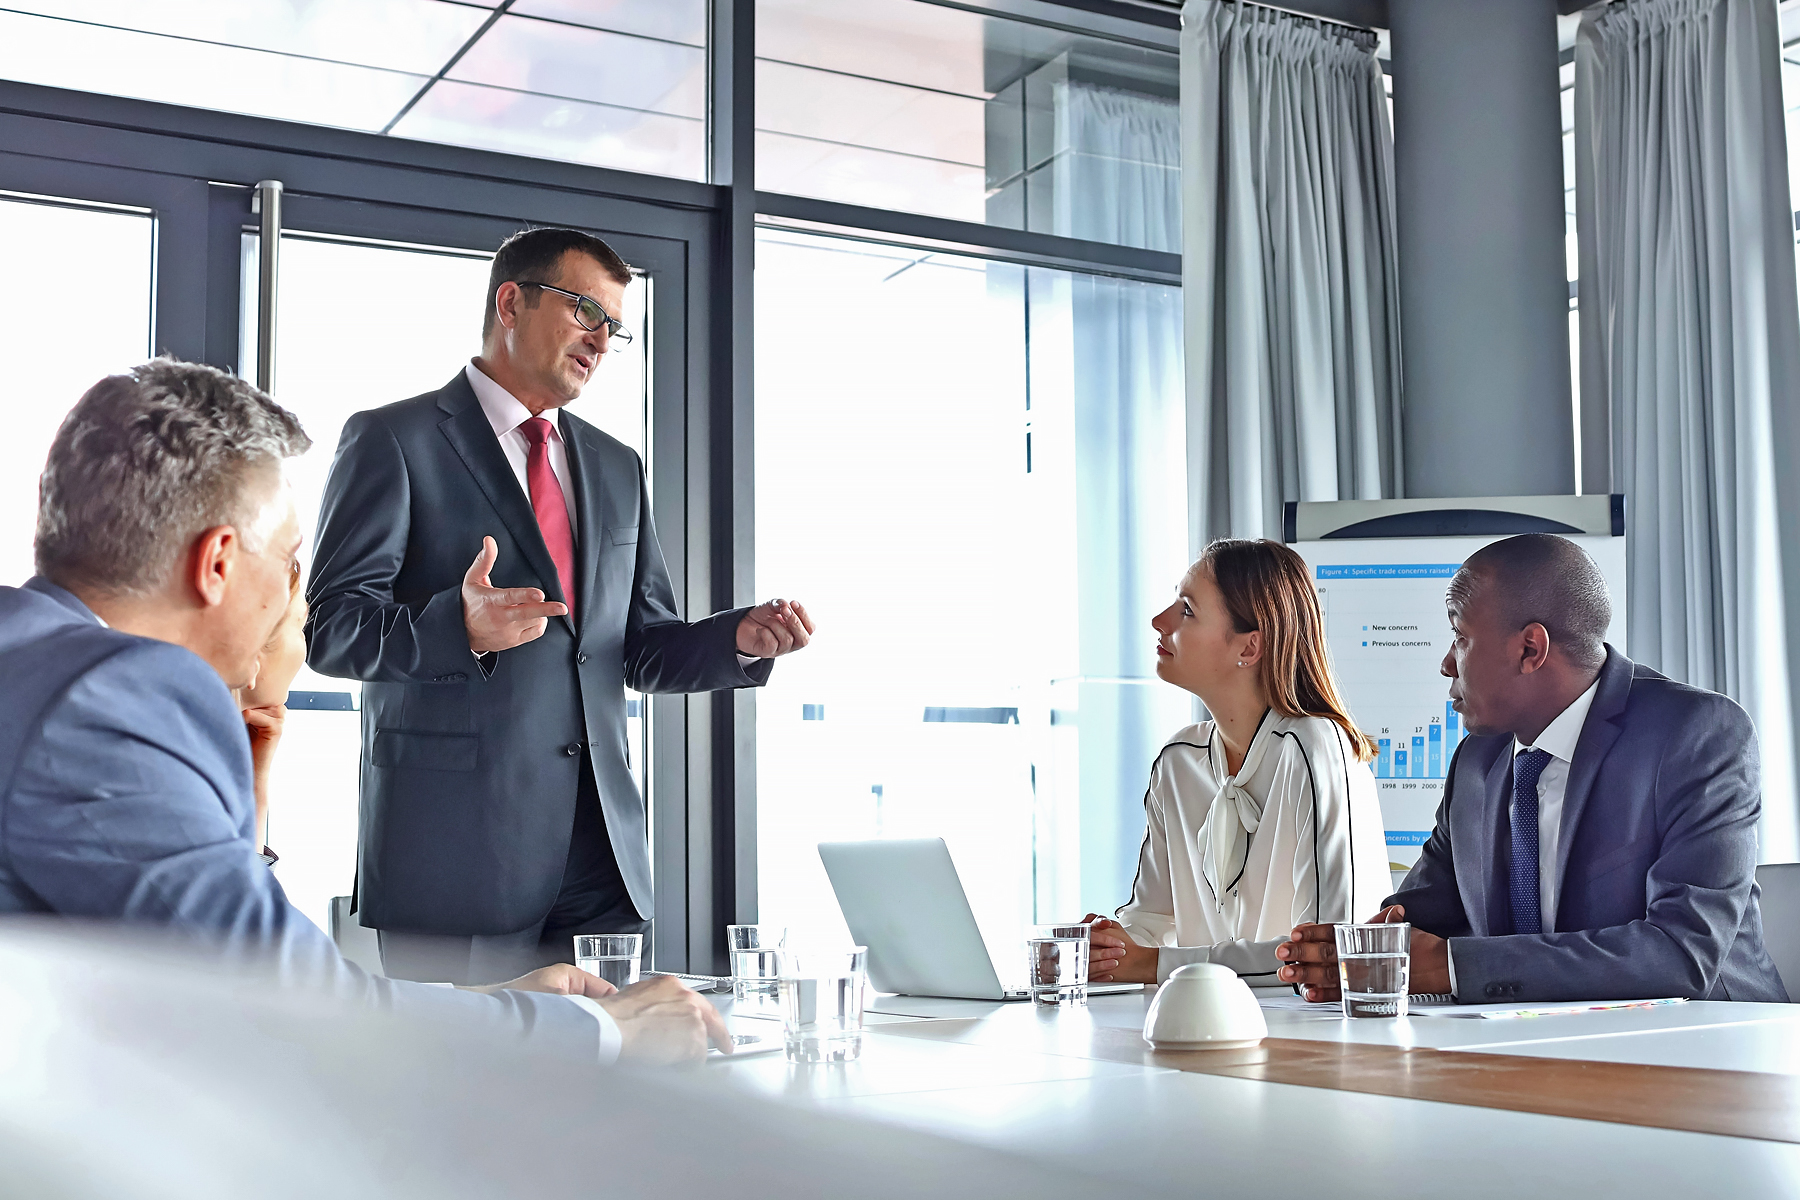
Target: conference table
x,y
1694,1099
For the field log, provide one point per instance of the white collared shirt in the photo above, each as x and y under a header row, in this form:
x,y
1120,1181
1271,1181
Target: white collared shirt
x,y
505,413
1558,740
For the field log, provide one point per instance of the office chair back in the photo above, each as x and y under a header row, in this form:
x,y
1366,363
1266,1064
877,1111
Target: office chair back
x,y
357,944
1780,884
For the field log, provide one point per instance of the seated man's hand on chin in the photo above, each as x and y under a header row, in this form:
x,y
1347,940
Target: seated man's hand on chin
x,y
1309,959
1113,957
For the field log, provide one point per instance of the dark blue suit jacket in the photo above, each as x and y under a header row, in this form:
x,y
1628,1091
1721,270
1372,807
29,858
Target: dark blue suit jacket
x,y
469,777
1656,865
126,794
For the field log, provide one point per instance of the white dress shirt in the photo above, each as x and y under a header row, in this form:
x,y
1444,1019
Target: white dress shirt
x,y
1558,741
611,1040
506,414
1231,863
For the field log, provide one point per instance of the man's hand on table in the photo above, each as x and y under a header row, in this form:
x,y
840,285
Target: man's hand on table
x,y
773,629
1113,957
663,1021
1309,958
660,1020
501,618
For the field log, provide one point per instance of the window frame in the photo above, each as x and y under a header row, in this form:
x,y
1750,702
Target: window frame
x,y
195,170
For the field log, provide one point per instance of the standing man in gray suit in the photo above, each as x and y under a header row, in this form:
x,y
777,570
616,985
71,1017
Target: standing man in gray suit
x,y
499,815
1597,836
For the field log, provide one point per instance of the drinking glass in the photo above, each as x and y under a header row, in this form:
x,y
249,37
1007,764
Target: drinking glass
x,y
1056,964
822,1002
755,970
612,956
1374,962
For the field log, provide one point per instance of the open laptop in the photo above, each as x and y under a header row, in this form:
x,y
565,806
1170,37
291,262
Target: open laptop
x,y
904,901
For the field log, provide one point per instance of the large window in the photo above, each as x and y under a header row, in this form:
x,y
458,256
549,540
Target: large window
x,y
974,473
937,109
965,433
78,308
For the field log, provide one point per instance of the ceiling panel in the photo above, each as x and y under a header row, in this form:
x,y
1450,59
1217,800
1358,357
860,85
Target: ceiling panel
x,y
588,64
403,35
177,71
672,20
492,118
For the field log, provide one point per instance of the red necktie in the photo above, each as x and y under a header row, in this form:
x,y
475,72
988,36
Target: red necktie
x,y
552,512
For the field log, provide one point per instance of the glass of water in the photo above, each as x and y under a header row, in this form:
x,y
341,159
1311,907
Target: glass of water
x,y
822,1002
1374,963
612,956
1056,964
755,970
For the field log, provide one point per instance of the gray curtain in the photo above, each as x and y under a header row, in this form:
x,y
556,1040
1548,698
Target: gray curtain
x,y
1288,266
1690,338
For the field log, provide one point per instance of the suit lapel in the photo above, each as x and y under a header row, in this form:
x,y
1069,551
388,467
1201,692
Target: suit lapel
x,y
1496,832
584,469
1598,733
467,429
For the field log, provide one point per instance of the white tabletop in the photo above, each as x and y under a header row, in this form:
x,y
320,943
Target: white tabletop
x,y
1012,1076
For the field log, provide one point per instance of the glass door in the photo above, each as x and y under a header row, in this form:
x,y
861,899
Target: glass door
x,y
78,309
360,324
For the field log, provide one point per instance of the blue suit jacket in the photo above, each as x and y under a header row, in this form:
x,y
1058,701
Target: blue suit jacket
x,y
1656,865
126,794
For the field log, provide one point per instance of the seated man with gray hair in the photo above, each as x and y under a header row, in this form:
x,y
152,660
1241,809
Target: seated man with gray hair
x,y
1597,835
166,541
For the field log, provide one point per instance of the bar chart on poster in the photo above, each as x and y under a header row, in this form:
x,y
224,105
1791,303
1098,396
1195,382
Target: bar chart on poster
x,y
1385,624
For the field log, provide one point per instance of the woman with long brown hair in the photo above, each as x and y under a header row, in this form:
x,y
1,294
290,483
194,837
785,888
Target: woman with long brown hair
x,y
1264,816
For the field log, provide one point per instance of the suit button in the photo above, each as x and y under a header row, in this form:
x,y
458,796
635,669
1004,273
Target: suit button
x,y
572,749
581,660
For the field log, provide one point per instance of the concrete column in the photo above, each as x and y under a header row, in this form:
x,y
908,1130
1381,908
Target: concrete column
x,y
1484,299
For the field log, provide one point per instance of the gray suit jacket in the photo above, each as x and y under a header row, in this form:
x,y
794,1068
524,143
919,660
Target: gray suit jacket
x,y
1656,865
469,777
126,795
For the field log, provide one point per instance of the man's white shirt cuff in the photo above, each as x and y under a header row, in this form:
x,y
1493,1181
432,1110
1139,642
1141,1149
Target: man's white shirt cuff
x,y
745,660
1450,956
611,1040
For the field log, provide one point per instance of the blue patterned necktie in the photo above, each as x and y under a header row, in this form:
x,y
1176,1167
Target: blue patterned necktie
x,y
1527,768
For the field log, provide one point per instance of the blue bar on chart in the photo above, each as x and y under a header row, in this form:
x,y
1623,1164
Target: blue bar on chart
x,y
1400,770
1452,730
1384,761
1436,769
1418,758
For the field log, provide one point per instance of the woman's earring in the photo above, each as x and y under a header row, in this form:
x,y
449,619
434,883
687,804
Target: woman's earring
x,y
1241,663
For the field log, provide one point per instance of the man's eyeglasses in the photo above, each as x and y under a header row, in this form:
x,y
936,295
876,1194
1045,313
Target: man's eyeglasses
x,y
588,312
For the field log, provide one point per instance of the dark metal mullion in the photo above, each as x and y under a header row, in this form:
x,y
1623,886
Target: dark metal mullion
x,y
722,726
985,241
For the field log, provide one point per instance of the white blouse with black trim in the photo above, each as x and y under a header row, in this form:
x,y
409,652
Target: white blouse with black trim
x,y
1231,864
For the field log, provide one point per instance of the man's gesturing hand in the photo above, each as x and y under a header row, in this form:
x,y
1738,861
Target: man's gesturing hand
x,y
559,979
773,629
662,1021
1309,958
501,618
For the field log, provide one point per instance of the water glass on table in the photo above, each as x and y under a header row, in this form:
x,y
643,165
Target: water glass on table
x,y
822,1002
1056,964
613,957
1374,963
755,970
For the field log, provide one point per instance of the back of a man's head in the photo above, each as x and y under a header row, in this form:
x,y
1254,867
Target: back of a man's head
x,y
1547,580
148,460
